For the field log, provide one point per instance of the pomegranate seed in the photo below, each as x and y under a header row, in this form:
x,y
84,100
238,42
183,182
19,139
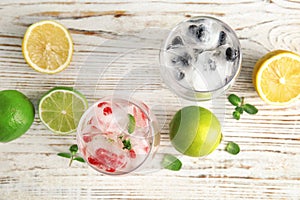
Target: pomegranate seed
x,y
101,104
87,138
110,169
93,161
132,153
146,149
107,111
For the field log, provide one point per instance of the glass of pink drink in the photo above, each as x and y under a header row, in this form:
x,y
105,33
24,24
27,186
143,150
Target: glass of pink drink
x,y
117,136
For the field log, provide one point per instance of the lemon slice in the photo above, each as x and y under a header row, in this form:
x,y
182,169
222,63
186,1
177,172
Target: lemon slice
x,y
276,77
47,47
61,108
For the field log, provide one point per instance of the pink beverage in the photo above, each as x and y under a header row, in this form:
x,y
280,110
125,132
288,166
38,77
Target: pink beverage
x,y
116,136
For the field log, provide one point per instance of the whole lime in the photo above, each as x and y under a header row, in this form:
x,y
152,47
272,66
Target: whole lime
x,y
195,131
16,114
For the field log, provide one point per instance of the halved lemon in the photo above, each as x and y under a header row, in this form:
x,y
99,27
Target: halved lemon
x,y
276,77
47,47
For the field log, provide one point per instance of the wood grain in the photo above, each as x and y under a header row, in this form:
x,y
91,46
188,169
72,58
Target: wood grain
x,y
116,51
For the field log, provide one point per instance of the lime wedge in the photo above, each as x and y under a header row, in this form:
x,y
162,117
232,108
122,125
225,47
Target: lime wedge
x,y
60,109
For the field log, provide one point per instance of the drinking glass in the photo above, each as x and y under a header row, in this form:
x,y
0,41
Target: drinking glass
x,y
117,136
200,58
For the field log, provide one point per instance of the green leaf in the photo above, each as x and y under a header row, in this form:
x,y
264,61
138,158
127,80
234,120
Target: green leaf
x,y
73,149
65,155
79,159
236,115
171,162
250,109
232,148
126,144
234,100
239,109
131,124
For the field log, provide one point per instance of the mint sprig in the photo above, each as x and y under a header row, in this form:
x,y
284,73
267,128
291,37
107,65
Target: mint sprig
x,y
241,106
72,155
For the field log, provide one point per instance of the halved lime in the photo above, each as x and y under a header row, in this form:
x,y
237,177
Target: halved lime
x,y
60,109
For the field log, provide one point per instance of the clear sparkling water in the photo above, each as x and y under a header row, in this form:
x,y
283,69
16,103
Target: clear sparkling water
x,y
201,54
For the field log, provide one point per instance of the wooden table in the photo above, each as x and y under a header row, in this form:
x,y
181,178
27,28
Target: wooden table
x,y
116,48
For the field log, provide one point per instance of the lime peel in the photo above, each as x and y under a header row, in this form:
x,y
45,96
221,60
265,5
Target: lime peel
x,y
195,131
16,115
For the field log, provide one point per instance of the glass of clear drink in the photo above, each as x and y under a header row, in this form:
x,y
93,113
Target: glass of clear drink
x,y
200,58
117,136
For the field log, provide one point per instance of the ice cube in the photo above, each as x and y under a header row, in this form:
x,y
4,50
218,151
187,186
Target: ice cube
x,y
181,75
205,35
210,70
102,140
179,57
119,119
140,145
199,32
106,154
182,60
90,129
177,41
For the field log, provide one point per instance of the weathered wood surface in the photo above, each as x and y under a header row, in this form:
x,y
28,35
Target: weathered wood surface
x,y
116,50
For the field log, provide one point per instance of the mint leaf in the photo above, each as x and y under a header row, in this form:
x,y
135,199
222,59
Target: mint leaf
x,y
234,100
250,109
131,124
73,149
239,109
65,155
79,159
236,115
232,148
126,144
171,162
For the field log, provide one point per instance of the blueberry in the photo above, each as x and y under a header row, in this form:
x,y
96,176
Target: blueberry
x,y
231,54
177,41
192,29
180,75
212,65
222,38
183,60
198,31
